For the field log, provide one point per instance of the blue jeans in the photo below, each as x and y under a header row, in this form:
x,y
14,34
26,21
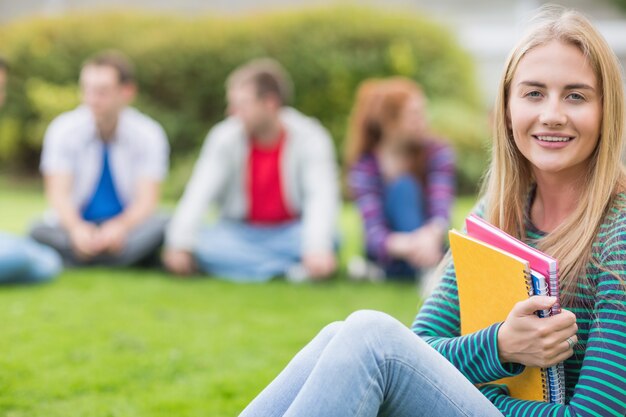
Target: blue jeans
x,y
369,365
404,211
404,204
239,251
24,260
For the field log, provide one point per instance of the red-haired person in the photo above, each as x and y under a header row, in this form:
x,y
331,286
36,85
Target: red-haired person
x,y
401,177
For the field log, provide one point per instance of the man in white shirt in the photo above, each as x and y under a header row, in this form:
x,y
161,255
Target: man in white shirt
x,y
271,172
103,164
23,260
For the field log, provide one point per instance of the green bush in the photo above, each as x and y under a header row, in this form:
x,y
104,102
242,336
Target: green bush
x,y
182,64
620,3
468,129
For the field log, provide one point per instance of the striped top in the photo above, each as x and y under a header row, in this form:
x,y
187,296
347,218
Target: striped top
x,y
595,375
367,187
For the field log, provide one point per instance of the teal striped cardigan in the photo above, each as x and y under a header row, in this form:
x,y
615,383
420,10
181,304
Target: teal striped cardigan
x,y
596,373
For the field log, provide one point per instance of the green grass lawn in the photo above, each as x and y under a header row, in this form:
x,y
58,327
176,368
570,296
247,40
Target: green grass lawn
x,y
126,342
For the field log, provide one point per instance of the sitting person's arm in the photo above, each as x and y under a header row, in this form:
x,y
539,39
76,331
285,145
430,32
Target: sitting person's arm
x,y
423,247
83,235
485,356
209,176
57,166
438,323
601,384
321,205
481,356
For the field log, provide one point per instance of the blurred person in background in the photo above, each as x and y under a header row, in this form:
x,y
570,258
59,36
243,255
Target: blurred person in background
x,y
23,260
271,172
402,179
103,164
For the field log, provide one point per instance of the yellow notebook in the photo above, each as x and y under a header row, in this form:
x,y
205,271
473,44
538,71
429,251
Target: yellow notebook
x,y
490,281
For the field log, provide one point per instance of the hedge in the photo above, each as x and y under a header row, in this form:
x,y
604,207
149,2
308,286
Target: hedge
x,y
182,64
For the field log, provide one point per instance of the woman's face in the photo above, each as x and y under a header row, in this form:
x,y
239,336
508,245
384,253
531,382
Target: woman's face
x,y
555,109
411,124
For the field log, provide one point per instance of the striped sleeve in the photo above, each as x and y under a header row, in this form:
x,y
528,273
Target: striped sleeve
x,y
601,386
366,188
475,354
440,181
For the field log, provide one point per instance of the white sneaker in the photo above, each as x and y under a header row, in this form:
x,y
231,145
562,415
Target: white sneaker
x,y
361,269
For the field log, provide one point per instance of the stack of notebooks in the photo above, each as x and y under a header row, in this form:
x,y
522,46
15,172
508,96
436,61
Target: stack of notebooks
x,y
494,271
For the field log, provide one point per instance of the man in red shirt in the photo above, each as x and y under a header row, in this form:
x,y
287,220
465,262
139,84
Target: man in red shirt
x,y
271,172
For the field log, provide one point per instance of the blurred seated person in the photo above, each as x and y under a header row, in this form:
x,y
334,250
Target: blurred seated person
x,y
22,260
402,179
103,164
271,173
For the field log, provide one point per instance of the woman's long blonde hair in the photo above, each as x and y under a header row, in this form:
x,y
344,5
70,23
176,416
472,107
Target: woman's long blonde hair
x,y
510,179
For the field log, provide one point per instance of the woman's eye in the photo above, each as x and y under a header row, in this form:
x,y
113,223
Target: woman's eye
x,y
576,96
533,94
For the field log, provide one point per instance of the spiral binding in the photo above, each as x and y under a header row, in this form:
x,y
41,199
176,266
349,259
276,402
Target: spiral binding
x,y
553,378
557,393
556,373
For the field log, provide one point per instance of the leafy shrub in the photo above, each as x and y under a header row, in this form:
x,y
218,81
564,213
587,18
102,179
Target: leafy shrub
x,y
620,3
182,64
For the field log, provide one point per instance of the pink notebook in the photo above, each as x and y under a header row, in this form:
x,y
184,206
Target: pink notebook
x,y
486,232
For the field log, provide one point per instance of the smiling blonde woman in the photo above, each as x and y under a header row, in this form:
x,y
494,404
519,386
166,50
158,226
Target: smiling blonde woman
x,y
555,181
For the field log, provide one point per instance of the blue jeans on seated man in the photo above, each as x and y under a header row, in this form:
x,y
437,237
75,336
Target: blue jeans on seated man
x,y
370,365
243,252
404,211
22,260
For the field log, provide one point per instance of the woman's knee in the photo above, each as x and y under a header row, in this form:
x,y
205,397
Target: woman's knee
x,y
406,185
381,337
330,330
324,337
373,323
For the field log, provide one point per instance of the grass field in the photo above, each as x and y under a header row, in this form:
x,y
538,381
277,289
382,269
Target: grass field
x,y
127,342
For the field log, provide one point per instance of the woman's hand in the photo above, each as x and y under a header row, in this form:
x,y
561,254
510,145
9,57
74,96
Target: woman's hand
x,y
421,248
532,341
426,246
